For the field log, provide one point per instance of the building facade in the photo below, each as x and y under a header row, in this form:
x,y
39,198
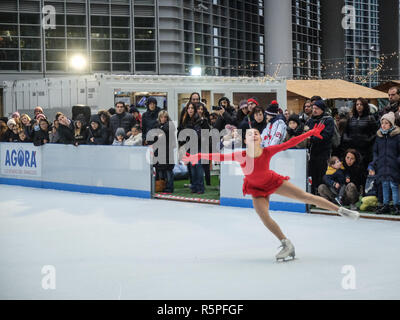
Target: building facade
x,y
224,37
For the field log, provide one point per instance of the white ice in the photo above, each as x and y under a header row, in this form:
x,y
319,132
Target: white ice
x,y
108,247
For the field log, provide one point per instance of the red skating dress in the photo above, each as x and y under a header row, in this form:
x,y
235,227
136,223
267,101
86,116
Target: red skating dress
x,y
259,180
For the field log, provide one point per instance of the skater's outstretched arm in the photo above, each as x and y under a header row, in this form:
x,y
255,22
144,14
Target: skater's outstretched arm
x,y
195,158
316,131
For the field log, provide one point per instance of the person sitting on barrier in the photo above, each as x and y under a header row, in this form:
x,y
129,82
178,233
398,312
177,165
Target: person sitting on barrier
x,y
260,181
97,134
136,137
80,132
65,130
41,132
119,137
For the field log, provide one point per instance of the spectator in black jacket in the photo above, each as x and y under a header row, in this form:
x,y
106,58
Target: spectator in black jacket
x,y
105,118
65,130
121,119
80,132
41,133
149,118
360,132
320,150
97,134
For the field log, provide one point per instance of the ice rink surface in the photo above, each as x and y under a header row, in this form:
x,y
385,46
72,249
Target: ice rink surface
x,y
107,247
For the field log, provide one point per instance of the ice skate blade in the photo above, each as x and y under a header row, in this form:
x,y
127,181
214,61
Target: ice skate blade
x,y
287,259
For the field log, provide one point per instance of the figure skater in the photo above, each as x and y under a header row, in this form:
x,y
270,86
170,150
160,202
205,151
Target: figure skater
x,y
260,182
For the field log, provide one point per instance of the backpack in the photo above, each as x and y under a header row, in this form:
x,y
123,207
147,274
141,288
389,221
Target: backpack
x,y
336,138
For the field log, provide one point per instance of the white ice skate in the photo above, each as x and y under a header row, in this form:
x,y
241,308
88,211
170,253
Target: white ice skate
x,y
354,215
287,250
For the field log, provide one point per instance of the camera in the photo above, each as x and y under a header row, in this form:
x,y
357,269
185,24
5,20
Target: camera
x,y
216,108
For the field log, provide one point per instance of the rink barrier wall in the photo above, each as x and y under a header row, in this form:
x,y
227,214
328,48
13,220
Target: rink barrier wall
x,y
292,163
120,171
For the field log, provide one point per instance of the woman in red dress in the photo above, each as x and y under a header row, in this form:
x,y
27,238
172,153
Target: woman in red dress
x,y
260,182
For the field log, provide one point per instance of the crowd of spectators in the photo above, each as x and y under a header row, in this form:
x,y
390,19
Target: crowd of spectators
x,y
358,157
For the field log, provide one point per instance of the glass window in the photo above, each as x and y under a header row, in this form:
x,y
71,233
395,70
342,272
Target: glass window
x,y
76,20
29,18
121,56
100,21
120,33
121,67
60,20
55,43
56,56
8,31
8,42
144,22
121,45
143,45
76,32
145,56
55,66
31,43
100,44
34,66
9,55
101,67
55,33
30,55
8,65
146,67
144,33
100,56
30,31
8,17
76,43
120,21
100,33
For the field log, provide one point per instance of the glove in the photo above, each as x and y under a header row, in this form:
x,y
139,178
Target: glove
x,y
316,131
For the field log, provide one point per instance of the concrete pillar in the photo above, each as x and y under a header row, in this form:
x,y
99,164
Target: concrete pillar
x,y
278,38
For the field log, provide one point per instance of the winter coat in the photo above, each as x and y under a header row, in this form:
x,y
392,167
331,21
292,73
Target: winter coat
x,y
66,133
360,133
190,123
301,128
124,120
356,172
134,140
149,120
228,117
39,136
81,138
275,132
317,146
386,160
333,176
100,135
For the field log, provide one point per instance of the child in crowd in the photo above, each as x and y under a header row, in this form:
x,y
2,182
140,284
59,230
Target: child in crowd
x,y
335,178
119,137
370,199
386,162
136,137
22,136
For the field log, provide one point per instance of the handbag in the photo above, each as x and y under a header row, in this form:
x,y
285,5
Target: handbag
x,y
160,185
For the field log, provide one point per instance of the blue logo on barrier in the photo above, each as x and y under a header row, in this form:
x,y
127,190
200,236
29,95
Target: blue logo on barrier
x,y
21,158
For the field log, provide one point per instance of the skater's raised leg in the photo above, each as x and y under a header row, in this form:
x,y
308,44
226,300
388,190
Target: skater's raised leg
x,y
288,189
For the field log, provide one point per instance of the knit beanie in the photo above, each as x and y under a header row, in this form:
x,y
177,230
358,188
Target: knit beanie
x,y
273,108
320,104
120,132
243,104
389,117
254,100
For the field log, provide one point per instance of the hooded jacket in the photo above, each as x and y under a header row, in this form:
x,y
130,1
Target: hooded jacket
x,y
275,132
100,135
150,117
